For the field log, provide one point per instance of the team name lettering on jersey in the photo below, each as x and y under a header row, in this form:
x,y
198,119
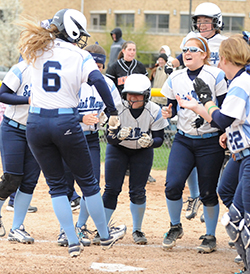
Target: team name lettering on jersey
x,y
90,103
26,90
121,80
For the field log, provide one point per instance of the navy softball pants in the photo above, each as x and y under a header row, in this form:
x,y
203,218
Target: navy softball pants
x,y
117,159
186,153
54,135
16,156
229,182
94,149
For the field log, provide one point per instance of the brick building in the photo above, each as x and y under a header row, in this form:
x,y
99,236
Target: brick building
x,y
166,21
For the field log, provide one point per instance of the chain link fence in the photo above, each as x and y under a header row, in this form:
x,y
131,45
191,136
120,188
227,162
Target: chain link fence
x,y
161,154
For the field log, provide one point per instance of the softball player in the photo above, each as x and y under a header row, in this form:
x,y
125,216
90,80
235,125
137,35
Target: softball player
x,y
19,165
54,133
193,147
91,109
125,65
234,118
207,22
141,130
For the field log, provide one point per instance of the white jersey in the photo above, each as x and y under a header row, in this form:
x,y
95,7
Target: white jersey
x,y
213,44
150,120
179,83
18,80
236,105
58,74
91,101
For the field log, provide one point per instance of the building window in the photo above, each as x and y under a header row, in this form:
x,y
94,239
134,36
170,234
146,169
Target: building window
x,y
157,22
125,20
98,21
185,23
233,24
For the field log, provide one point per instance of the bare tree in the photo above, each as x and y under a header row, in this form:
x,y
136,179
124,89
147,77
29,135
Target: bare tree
x,y
9,32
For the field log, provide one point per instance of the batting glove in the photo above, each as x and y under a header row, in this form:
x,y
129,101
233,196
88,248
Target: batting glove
x,y
145,141
168,68
124,133
103,118
202,90
114,122
198,122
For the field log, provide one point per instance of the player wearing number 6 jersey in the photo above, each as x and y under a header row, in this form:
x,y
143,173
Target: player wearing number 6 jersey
x,y
58,68
141,130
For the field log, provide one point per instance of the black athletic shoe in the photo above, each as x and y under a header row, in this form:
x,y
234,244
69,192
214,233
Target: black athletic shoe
x,y
175,232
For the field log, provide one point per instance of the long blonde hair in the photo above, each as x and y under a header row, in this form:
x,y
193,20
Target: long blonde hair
x,y
35,40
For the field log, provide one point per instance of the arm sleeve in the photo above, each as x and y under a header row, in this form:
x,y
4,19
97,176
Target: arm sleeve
x,y
158,137
8,96
220,120
96,79
174,106
180,59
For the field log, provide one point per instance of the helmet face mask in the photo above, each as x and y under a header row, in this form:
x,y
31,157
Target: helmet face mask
x,y
209,10
71,25
137,84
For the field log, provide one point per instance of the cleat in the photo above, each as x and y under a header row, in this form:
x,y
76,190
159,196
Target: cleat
x,y
202,218
75,250
175,232
115,234
2,229
192,208
208,244
20,235
151,179
238,259
96,240
62,238
242,271
31,209
139,237
82,234
75,204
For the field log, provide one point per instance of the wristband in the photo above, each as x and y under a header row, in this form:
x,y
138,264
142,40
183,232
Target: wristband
x,y
210,108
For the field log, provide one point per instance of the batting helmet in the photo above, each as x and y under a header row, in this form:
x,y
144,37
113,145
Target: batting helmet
x,y
71,25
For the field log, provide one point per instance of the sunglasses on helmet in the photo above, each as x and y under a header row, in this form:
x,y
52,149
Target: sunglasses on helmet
x,y
191,49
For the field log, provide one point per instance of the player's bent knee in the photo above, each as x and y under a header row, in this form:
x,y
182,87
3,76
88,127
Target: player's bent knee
x,y
138,199
9,183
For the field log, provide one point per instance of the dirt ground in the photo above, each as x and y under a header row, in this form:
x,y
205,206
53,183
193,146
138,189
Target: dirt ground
x,y
45,256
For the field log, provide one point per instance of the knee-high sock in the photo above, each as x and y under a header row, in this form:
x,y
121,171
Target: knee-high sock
x,y
193,184
63,213
211,215
83,214
137,212
1,205
108,214
95,208
174,210
21,205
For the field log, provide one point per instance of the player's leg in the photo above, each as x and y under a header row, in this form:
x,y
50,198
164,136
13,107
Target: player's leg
x,y
182,154
24,195
228,182
210,155
194,200
12,144
116,163
39,135
140,165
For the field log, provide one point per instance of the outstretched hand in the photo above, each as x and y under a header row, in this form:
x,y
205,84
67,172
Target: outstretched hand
x,y
191,103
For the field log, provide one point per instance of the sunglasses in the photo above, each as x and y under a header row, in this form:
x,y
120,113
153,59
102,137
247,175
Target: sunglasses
x,y
191,49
